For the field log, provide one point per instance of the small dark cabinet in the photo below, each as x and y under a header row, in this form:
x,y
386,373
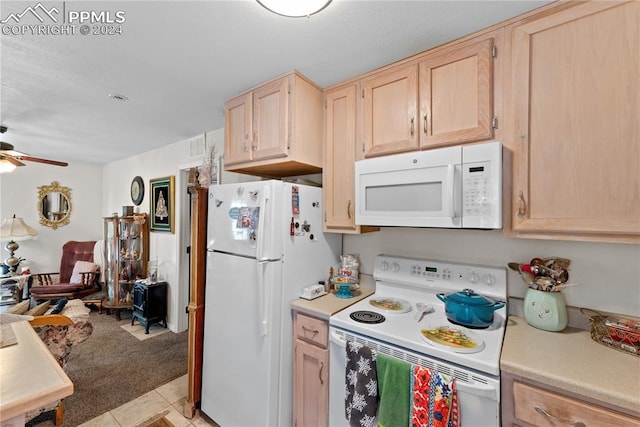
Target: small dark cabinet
x,y
150,304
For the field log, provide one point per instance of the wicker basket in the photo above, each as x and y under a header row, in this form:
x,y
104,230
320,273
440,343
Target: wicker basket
x,y
601,332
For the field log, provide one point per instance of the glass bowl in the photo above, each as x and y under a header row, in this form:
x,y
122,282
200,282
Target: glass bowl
x,y
344,285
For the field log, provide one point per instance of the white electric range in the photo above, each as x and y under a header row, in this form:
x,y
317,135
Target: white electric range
x,y
393,325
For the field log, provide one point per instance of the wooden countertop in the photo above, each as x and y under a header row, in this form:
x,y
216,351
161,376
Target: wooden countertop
x,y
30,377
570,360
327,305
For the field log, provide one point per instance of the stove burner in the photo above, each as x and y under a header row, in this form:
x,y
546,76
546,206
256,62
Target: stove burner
x,y
365,316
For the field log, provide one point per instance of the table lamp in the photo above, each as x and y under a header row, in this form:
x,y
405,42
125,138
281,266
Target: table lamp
x,y
15,229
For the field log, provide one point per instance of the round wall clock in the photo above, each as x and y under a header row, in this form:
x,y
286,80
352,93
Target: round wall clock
x,y
137,190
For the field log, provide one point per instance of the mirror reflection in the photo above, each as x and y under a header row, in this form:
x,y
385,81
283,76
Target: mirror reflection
x,y
54,205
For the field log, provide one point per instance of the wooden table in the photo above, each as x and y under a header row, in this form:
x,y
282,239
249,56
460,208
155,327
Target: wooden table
x,y
30,377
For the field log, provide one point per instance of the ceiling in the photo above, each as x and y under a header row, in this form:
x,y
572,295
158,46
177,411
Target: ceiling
x,y
177,61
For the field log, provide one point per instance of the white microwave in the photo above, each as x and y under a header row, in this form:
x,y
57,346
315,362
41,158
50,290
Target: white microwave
x,y
452,187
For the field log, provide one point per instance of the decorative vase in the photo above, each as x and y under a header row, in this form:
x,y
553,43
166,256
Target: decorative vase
x,y
545,310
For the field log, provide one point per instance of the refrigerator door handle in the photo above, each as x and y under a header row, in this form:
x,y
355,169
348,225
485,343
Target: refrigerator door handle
x,y
262,298
264,200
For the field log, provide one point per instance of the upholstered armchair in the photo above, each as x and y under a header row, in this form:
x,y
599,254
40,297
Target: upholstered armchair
x,y
78,276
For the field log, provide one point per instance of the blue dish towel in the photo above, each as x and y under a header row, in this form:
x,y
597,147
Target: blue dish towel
x,y
361,380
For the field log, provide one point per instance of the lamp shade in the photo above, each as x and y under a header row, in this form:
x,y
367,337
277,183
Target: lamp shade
x,y
6,166
294,8
16,229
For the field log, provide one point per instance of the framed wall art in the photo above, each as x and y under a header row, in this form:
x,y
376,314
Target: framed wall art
x,y
162,199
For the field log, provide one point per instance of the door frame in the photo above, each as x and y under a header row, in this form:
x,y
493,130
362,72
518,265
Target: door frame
x,y
183,242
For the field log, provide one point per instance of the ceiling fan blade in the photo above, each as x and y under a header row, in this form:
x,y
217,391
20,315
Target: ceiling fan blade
x,y
47,161
13,161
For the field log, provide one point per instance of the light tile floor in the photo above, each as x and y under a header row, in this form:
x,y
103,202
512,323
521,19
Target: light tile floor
x,y
167,400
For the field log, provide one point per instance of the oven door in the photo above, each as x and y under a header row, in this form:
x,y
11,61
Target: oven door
x,y
478,394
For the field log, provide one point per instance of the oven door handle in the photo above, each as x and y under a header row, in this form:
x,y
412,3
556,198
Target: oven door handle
x,y
483,391
337,339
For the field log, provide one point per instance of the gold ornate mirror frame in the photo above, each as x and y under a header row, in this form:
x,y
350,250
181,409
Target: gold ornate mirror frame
x,y
54,205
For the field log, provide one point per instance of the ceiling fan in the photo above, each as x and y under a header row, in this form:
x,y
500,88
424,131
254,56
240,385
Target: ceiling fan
x,y
15,158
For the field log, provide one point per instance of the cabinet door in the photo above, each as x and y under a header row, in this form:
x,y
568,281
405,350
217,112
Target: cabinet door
x,y
340,155
390,119
577,133
238,127
311,387
456,95
271,120
540,407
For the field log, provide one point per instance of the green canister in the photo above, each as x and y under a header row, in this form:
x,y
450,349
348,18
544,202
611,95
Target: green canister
x,y
545,310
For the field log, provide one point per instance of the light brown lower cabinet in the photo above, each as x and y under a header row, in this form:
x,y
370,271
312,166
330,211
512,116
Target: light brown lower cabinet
x,y
527,404
310,371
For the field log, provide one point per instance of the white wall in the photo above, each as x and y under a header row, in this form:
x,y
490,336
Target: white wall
x,y
607,274
164,247
19,196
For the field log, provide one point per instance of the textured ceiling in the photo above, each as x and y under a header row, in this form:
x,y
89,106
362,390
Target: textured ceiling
x,y
178,61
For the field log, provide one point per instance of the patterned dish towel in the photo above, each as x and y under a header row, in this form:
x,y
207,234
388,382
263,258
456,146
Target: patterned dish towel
x,y
435,399
361,381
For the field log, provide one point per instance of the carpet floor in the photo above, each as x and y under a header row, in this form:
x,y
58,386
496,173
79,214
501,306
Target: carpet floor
x,y
112,367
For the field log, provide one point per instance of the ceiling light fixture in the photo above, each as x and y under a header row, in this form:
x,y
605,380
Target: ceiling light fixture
x,y
294,8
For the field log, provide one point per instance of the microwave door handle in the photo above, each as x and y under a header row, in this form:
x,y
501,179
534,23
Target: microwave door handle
x,y
448,209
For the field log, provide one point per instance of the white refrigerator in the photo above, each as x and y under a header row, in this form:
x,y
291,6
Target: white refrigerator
x,y
265,244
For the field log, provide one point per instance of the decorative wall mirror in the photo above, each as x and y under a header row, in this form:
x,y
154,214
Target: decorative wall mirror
x,y
54,205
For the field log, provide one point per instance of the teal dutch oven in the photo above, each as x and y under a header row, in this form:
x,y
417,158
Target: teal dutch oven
x,y
467,308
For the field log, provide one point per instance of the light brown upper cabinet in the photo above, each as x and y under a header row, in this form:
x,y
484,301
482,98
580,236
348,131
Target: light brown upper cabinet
x,y
238,118
438,99
275,129
338,180
456,95
576,136
390,111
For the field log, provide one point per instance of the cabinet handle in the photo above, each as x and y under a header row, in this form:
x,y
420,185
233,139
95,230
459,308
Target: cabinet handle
x,y
314,331
320,373
424,123
522,206
349,209
254,142
552,419
412,123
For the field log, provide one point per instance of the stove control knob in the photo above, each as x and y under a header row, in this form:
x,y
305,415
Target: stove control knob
x,y
489,279
473,277
395,267
384,266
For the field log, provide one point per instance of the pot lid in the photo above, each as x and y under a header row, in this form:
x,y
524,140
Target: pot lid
x,y
469,297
